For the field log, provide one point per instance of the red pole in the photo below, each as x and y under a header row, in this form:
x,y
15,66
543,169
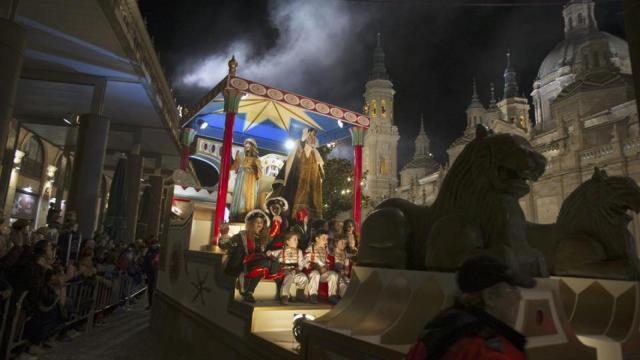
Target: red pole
x,y
223,184
231,103
357,140
357,189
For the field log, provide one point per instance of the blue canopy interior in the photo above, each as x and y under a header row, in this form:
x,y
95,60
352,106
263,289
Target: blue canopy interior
x,y
268,135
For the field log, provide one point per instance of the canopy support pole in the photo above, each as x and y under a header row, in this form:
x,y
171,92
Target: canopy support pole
x,y
357,140
231,102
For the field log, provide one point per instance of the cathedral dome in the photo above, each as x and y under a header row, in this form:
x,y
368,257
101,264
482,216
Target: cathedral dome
x,y
567,51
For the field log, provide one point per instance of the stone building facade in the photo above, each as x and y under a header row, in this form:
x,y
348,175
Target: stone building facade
x,y
585,116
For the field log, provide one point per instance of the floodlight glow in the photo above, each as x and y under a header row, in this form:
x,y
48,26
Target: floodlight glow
x,y
204,125
289,144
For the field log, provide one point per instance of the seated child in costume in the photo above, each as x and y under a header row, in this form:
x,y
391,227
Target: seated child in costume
x,y
342,263
291,263
316,264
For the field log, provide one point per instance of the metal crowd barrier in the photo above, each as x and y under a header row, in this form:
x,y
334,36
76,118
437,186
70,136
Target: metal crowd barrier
x,y
18,321
83,301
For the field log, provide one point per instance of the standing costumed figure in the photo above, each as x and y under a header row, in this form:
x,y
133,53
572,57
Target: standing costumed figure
x,y
248,169
276,207
300,180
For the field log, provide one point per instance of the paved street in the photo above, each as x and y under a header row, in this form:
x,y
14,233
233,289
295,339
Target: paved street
x,y
125,337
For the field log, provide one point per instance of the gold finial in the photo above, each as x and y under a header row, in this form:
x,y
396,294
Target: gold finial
x,y
233,66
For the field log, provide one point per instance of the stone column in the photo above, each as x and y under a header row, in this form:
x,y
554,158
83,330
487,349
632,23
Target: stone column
x,y
67,170
84,191
12,43
157,185
13,182
133,175
8,162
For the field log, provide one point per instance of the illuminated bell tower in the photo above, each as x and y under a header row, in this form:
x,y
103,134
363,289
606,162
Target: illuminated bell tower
x,y
380,150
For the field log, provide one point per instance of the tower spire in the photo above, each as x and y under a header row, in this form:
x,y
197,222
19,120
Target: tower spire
x,y
422,141
379,70
510,83
475,99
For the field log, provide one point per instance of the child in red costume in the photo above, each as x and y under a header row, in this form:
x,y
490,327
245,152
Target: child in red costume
x,y
255,242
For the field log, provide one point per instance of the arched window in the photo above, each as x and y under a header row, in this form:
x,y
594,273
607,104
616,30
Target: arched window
x,y
570,23
31,164
372,108
580,19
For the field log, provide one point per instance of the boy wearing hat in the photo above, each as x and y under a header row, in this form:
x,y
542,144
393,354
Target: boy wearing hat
x,y
480,324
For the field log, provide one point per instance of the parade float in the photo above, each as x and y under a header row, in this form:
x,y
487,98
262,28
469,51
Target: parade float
x,y
591,311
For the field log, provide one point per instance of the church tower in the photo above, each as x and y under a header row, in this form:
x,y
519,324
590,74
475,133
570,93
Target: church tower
x,y
380,150
422,163
513,116
475,110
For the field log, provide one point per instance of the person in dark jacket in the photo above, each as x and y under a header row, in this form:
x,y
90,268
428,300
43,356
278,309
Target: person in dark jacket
x,y
150,266
480,324
41,300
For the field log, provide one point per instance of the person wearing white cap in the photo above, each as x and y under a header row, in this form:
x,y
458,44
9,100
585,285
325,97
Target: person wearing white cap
x,y
248,170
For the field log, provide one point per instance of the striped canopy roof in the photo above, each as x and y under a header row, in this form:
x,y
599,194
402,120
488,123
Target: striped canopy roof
x,y
272,116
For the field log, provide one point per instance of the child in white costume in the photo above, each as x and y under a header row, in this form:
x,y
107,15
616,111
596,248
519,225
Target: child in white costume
x,y
316,263
342,263
291,263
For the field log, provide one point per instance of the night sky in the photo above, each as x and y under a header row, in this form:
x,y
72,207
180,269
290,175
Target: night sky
x,y
323,49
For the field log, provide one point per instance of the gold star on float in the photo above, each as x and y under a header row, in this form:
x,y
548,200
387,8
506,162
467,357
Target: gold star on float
x,y
258,110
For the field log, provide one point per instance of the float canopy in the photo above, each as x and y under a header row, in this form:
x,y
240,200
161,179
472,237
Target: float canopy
x,y
271,116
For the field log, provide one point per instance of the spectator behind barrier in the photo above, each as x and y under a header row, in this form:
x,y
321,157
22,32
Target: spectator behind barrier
x,y
480,324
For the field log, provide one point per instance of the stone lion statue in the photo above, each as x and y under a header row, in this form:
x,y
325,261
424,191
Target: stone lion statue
x,y
591,237
477,210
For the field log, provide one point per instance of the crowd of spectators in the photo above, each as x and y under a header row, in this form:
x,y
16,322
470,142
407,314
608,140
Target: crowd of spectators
x,y
46,262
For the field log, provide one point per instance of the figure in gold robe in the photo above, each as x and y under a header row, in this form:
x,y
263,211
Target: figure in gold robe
x,y
300,180
248,169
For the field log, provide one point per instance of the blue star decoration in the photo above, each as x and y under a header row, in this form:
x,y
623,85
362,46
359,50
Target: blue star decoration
x,y
200,288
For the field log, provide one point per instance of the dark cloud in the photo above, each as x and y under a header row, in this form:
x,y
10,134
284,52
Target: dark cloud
x,y
323,49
